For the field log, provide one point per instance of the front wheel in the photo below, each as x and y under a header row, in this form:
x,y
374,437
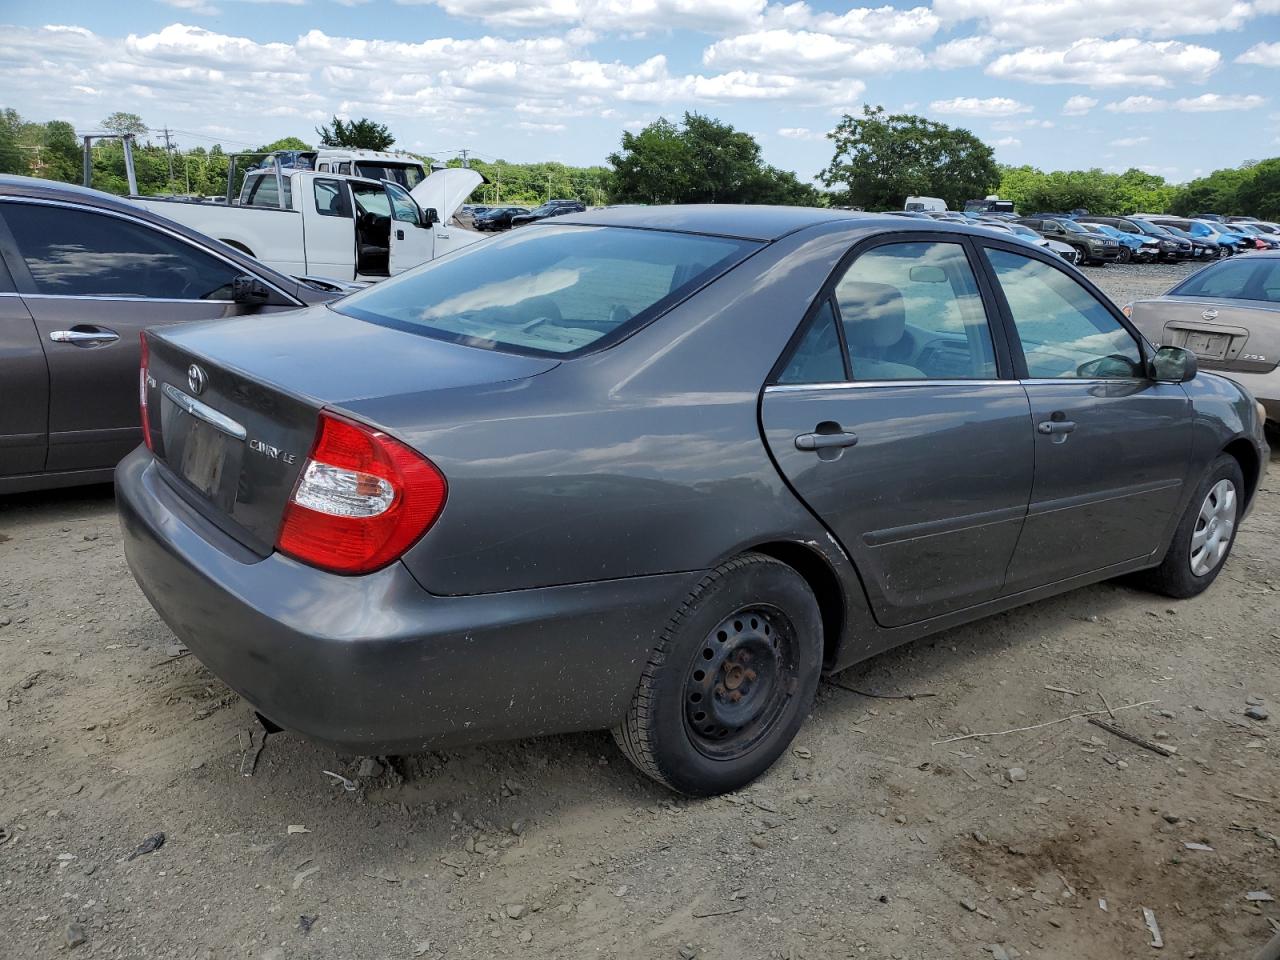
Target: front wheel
x,y
1205,534
730,680
1125,254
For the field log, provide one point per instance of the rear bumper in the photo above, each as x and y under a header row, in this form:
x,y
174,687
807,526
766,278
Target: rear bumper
x,y
375,664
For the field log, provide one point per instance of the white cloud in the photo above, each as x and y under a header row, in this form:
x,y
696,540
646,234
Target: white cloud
x,y
801,52
1078,106
882,24
975,107
178,43
627,16
1129,141
801,133
200,7
1261,54
1110,63
1208,102
541,127
1138,104
964,52
1008,142
1205,103
1025,123
1050,21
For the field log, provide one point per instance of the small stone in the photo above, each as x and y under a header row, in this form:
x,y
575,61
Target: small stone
x,y
1171,818
688,952
900,819
5,621
1016,774
969,905
74,935
515,911
1257,713
370,769
1122,765
759,842
526,936
980,837
1259,896
804,753
519,827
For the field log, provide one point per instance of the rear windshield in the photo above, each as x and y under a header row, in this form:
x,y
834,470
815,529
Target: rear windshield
x,y
1245,279
548,290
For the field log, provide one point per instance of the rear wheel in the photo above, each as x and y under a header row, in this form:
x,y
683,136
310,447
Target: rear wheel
x,y
1125,254
730,680
1203,540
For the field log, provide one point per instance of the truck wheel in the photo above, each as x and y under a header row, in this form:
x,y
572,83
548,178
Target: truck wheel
x,y
730,680
1203,540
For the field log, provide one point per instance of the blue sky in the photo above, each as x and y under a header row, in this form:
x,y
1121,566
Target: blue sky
x,y
1178,87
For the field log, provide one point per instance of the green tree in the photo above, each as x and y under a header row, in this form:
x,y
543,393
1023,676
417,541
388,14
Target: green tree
x,y
362,134
62,155
284,143
1259,195
881,159
701,161
13,158
122,123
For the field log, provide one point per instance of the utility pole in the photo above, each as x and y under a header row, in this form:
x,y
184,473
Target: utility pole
x,y
168,148
466,161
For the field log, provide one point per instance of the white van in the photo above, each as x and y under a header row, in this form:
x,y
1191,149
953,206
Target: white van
x,y
925,205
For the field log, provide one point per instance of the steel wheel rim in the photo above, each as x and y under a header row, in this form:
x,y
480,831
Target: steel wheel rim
x,y
740,682
1214,528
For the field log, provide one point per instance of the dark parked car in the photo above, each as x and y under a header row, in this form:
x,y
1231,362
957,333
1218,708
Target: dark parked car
x,y
1169,247
81,274
552,208
1092,247
655,470
498,218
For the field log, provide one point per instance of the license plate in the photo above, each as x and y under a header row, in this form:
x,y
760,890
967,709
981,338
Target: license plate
x,y
1210,346
200,453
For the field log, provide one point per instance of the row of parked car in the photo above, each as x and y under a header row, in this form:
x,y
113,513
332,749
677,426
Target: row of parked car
x,y
1084,238
504,218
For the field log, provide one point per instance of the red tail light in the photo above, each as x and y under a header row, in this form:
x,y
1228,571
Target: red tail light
x,y
143,373
361,500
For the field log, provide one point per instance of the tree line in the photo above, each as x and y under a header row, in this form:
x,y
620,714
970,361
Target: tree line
x,y
879,159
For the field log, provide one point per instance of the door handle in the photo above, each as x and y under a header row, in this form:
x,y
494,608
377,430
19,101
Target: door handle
x,y
1051,427
825,441
84,336
399,234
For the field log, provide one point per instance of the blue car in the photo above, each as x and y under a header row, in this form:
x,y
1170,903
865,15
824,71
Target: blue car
x,y
1133,246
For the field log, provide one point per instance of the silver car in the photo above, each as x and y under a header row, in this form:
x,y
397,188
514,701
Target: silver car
x,y
1228,315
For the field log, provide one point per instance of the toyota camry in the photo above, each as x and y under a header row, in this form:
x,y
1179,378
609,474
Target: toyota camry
x,y
655,470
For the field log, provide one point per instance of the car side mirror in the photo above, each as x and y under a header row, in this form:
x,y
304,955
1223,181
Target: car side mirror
x,y
249,289
1173,365
430,217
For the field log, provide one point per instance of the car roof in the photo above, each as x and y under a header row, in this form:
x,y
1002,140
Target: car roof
x,y
741,221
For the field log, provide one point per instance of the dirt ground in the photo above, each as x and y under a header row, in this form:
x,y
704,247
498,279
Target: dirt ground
x,y
870,839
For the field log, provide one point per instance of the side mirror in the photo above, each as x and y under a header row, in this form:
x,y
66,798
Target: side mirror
x,y
1173,365
249,289
430,217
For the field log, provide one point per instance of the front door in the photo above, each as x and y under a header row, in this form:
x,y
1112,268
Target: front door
x,y
891,419
412,240
331,229
1111,445
92,281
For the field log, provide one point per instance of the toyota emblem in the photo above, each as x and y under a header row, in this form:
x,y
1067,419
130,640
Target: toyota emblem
x,y
197,379
1210,314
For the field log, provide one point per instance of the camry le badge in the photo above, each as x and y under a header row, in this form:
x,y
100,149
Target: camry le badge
x,y
1210,314
197,379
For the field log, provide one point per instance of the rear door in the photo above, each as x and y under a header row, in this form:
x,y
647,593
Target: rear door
x,y
1111,445
895,419
24,379
92,280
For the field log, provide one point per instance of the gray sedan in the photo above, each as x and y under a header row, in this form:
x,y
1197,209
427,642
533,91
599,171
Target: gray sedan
x,y
655,470
82,273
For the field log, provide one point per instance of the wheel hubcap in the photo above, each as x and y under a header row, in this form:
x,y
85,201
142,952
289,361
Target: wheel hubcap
x,y
1215,527
739,682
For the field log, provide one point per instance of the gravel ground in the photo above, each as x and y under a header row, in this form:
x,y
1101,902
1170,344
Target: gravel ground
x,y
869,840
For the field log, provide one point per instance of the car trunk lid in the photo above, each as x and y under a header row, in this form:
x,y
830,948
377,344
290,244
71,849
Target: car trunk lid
x,y
1217,332
233,406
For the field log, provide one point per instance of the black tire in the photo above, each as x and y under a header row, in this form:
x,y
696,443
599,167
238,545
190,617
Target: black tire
x,y
779,630
1125,254
1175,576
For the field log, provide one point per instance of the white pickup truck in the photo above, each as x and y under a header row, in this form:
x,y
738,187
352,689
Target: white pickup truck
x,y
323,224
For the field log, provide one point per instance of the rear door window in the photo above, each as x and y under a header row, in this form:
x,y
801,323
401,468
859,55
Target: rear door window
x,y
79,253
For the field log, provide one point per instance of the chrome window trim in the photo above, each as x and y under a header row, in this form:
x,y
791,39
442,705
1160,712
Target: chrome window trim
x,y
104,296
120,215
1040,381
865,384
202,411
